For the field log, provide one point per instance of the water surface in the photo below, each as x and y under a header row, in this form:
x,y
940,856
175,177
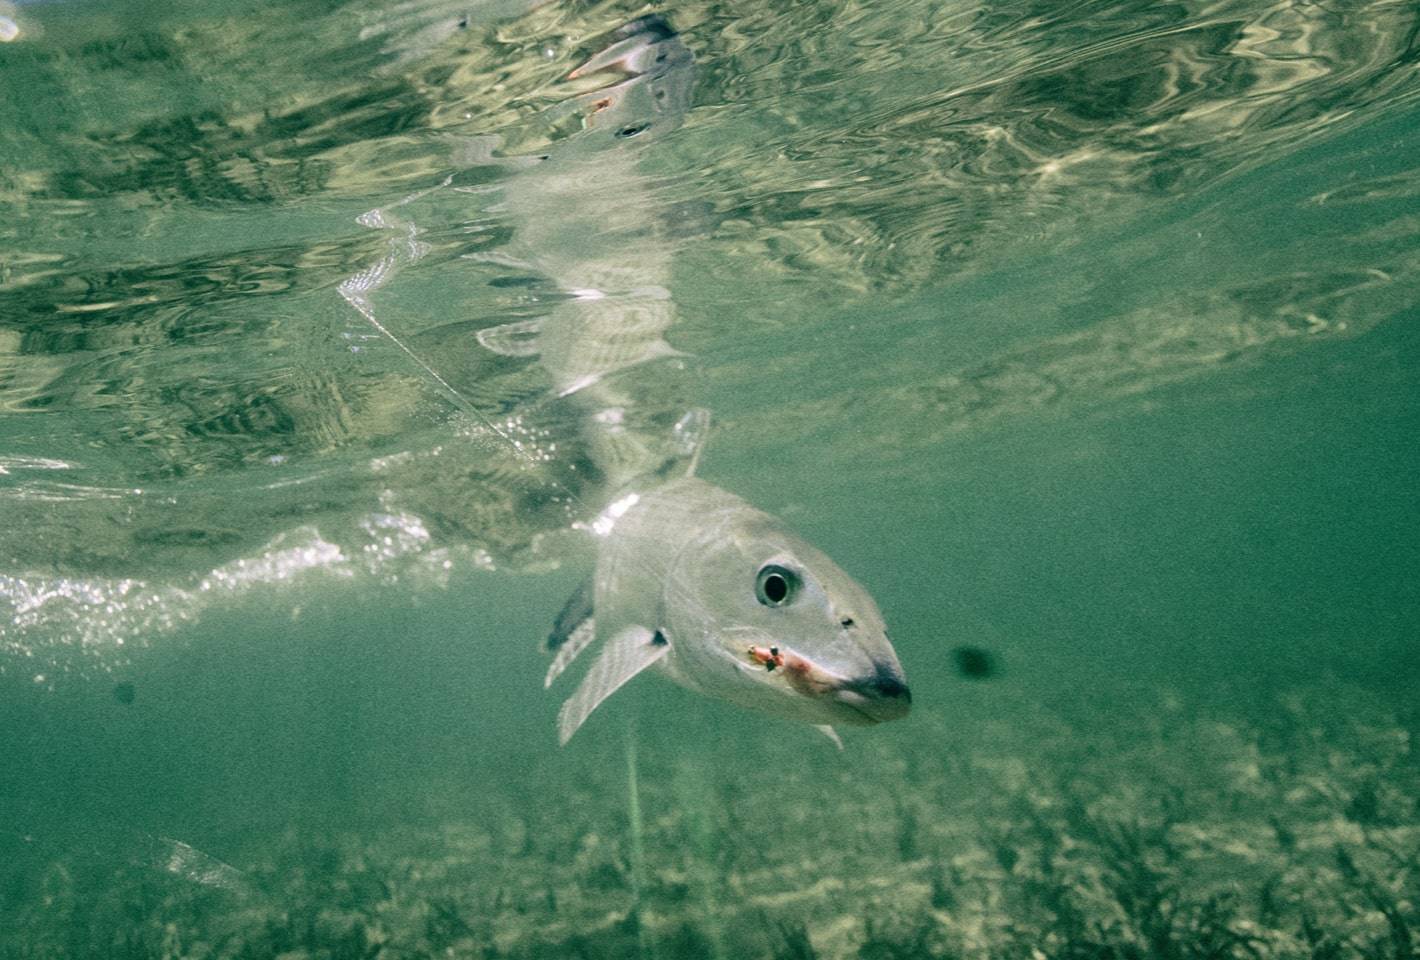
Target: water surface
x,y
1080,334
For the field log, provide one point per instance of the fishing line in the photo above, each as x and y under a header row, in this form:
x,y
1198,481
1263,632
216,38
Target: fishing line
x,y
355,291
355,288
658,87
408,250
638,847
458,398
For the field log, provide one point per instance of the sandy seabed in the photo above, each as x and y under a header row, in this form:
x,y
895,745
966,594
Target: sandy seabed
x,y
1287,827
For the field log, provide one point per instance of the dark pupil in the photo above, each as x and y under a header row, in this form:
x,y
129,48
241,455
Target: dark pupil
x,y
776,588
627,133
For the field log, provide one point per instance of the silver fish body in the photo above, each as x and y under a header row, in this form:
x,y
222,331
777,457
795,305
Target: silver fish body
x,y
723,599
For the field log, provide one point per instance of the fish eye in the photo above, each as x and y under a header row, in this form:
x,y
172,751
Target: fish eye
x,y
626,133
775,586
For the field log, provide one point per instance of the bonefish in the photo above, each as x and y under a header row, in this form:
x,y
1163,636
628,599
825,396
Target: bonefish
x,y
723,599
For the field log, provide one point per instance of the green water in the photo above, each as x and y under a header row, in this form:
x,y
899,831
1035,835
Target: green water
x,y
1079,334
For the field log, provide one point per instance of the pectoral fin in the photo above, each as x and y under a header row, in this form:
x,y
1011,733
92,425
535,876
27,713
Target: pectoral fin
x,y
574,643
624,655
831,733
572,631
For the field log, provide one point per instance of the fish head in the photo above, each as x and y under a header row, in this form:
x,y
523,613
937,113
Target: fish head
x,y
640,85
767,621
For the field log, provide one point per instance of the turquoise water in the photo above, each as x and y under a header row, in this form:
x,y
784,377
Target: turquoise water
x,y
1079,335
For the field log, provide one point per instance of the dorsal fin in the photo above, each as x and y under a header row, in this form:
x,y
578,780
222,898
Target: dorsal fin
x,y
624,655
691,431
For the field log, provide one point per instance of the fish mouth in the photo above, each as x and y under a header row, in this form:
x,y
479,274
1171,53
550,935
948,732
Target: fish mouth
x,y
877,698
873,698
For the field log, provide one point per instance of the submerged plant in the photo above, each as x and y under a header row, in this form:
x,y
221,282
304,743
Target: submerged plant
x,y
898,939
793,942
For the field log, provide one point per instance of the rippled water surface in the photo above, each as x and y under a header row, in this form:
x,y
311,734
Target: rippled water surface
x,y
1083,334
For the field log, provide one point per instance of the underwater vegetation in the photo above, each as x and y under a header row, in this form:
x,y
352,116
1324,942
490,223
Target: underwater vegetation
x,y
1281,828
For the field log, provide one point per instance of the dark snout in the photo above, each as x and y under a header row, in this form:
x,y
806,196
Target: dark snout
x,y
882,696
